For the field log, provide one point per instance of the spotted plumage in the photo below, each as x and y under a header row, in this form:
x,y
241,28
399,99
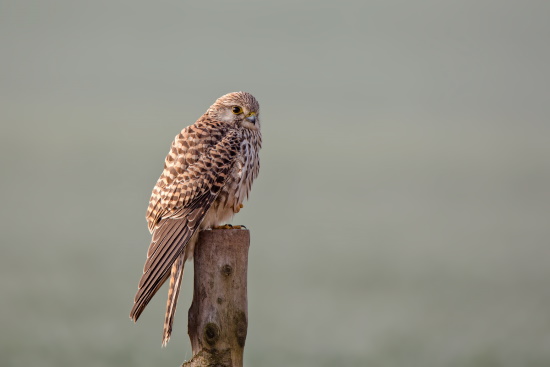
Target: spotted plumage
x,y
207,175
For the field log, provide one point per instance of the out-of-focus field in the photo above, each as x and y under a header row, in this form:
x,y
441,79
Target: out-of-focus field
x,y
401,216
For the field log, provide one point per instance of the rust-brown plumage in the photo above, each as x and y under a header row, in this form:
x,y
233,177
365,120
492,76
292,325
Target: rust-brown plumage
x,y
207,175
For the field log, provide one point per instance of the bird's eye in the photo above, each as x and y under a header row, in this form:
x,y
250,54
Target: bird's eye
x,y
237,110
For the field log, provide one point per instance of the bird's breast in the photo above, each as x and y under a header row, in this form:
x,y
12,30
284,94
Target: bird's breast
x,y
237,186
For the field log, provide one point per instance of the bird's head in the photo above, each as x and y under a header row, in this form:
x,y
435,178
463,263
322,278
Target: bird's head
x,y
239,108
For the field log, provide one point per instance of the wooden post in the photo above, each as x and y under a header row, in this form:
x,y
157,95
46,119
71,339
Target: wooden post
x,y
218,316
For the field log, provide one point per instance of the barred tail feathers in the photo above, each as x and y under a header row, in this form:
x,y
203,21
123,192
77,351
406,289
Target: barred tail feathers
x,y
173,293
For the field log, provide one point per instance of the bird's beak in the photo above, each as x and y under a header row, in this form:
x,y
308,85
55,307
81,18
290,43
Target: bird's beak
x,y
251,117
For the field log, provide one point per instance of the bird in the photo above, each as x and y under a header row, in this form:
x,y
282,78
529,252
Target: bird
x,y
207,175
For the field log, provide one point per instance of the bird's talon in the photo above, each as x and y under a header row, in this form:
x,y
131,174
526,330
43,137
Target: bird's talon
x,y
230,226
225,226
238,209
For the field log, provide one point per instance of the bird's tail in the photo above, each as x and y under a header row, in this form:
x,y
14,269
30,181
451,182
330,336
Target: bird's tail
x,y
173,293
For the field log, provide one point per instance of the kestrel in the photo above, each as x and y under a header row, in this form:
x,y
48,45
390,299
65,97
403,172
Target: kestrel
x,y
207,175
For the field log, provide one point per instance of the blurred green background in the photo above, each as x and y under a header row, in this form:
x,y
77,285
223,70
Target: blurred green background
x,y
401,216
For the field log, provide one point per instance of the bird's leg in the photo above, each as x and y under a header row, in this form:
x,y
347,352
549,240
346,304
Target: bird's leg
x,y
230,226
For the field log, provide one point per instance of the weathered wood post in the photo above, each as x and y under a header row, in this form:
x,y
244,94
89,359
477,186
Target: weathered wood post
x,y
218,316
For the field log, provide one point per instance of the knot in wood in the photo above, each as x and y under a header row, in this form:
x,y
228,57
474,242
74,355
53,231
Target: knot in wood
x,y
241,326
211,333
227,270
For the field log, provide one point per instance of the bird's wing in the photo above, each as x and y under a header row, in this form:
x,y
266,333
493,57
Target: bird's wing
x,y
185,203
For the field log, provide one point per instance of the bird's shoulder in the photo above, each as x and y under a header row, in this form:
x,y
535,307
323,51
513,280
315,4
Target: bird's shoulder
x,y
192,143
